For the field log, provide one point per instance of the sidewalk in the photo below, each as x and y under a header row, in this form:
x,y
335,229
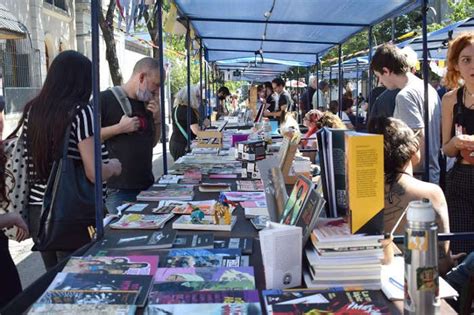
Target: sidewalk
x,y
29,264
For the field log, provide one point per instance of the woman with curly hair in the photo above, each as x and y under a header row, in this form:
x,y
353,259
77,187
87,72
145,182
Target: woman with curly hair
x,y
458,137
10,285
401,148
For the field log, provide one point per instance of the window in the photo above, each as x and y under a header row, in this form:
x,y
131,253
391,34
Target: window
x,y
60,4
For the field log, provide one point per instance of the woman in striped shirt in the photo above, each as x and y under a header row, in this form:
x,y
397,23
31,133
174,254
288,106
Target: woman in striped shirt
x,y
63,100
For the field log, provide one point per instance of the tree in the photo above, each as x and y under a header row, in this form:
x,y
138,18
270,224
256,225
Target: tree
x,y
107,26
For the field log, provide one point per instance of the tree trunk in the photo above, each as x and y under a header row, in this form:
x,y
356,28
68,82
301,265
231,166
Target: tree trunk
x,y
107,27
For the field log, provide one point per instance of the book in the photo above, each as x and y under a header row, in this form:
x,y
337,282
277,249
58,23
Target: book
x,y
187,286
199,297
204,308
141,221
218,260
135,207
185,223
81,309
245,244
206,206
310,213
365,182
255,212
238,196
172,192
170,179
214,187
327,301
155,240
250,185
296,201
71,288
241,276
204,240
260,222
126,265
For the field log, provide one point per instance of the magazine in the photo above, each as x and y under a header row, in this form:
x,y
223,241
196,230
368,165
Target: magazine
x,y
185,223
199,297
172,192
156,240
81,309
142,221
130,265
204,240
233,274
296,201
215,308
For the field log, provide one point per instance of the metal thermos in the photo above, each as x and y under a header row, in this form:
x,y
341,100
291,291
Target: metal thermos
x,y
421,260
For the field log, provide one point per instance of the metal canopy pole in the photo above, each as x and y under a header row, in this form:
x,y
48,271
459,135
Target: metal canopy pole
x,y
297,86
317,81
340,79
330,84
370,73
201,107
426,175
270,40
278,22
188,80
99,210
357,95
206,98
159,14
308,98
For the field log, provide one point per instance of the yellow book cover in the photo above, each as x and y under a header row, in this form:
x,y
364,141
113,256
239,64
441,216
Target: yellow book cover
x,y
365,182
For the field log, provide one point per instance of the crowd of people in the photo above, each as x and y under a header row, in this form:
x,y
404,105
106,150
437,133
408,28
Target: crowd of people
x,y
131,119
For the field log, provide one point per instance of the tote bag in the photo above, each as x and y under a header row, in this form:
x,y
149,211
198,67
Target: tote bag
x,y
68,207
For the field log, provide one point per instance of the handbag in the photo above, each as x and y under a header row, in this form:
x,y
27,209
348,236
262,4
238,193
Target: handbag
x,y
17,182
68,210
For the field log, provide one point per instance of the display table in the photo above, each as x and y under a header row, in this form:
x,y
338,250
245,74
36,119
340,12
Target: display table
x,y
243,228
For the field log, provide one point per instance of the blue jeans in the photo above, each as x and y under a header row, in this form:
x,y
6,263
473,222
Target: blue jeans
x,y
116,197
458,277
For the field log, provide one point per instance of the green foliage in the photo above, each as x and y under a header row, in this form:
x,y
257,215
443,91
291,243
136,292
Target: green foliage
x,y
461,10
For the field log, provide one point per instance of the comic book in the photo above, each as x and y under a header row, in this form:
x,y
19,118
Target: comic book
x,y
120,265
81,309
142,221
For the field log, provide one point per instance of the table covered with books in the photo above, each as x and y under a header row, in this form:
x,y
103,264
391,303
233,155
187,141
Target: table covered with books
x,y
188,246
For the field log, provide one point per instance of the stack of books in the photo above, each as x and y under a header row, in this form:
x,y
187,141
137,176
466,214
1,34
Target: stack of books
x,y
337,258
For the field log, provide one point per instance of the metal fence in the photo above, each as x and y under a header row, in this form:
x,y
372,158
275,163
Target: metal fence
x,y
20,69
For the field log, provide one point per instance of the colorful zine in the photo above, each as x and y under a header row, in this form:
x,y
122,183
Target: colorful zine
x,y
200,297
204,308
142,221
216,261
204,240
280,302
70,288
185,223
296,201
172,192
187,286
250,185
130,265
239,275
81,309
157,240
244,196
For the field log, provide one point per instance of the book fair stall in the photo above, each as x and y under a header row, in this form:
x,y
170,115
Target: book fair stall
x,y
244,223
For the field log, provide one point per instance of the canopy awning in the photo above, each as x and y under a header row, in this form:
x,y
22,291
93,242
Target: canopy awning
x,y
10,26
285,31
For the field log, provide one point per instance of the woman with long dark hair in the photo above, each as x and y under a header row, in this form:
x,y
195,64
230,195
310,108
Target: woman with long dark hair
x,y
63,101
10,285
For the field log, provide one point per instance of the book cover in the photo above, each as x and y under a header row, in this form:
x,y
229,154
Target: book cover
x,y
333,302
188,286
172,192
199,297
156,240
203,252
141,221
126,265
185,223
204,240
245,244
310,214
212,309
81,309
339,166
244,196
206,206
96,288
233,274
365,182
250,185
216,261
296,201
214,187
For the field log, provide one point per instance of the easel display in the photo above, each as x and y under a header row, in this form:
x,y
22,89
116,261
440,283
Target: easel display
x,y
286,156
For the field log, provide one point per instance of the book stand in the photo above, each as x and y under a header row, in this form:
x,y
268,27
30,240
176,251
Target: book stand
x,y
286,156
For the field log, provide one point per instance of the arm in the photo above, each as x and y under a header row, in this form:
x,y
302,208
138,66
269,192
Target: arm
x,y
195,128
86,149
14,219
125,125
450,144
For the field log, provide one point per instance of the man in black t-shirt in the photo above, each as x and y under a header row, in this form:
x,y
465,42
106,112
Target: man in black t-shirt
x,y
131,139
283,102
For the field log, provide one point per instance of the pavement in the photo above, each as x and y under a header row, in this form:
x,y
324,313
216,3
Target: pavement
x,y
29,264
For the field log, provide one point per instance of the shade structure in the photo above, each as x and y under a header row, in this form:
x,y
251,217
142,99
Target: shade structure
x,y
10,26
285,31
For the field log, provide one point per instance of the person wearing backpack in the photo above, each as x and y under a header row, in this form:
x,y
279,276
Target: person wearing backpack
x,y
131,127
179,138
